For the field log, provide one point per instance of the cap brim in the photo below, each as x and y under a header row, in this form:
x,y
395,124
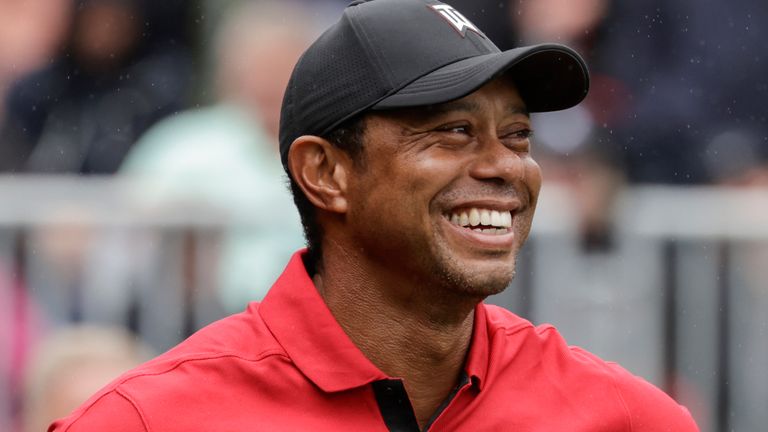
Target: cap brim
x,y
549,77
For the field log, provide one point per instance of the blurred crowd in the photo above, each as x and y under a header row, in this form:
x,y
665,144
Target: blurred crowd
x,y
185,95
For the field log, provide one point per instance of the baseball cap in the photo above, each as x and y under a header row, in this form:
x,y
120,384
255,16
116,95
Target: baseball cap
x,y
387,54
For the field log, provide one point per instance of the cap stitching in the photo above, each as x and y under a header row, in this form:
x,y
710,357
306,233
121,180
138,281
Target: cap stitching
x,y
370,53
461,75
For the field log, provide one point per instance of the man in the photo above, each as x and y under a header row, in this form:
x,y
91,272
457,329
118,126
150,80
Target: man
x,y
406,137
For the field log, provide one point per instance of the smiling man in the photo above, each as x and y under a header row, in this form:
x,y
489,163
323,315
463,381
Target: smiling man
x,y
406,137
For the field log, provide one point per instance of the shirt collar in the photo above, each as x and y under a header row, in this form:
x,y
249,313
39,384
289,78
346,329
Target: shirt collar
x,y
476,365
303,325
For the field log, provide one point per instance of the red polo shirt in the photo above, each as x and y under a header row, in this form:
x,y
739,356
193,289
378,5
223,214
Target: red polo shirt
x,y
286,365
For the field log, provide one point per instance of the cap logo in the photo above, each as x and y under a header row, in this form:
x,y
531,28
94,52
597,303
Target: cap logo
x,y
456,19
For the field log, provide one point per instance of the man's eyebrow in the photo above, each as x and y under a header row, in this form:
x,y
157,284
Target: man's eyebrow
x,y
514,108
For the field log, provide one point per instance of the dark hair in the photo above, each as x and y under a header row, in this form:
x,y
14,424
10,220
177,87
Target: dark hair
x,y
348,137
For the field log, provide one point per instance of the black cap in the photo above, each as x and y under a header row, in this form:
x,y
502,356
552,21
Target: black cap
x,y
385,54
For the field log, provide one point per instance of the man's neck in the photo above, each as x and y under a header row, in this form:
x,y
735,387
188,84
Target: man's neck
x,y
414,334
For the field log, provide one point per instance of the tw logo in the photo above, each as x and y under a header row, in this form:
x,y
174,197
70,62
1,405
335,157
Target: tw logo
x,y
456,19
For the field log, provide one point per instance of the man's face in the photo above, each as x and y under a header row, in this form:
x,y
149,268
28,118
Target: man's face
x,y
446,194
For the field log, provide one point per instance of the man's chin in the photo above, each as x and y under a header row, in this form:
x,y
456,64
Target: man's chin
x,y
478,279
487,286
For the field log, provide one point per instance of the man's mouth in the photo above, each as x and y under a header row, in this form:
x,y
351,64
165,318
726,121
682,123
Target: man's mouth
x,y
482,220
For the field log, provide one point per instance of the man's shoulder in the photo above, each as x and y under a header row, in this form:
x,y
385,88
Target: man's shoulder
x,y
242,337
215,359
542,344
648,407
541,351
512,326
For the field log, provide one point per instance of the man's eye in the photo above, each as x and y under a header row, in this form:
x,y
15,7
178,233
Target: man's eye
x,y
522,134
455,129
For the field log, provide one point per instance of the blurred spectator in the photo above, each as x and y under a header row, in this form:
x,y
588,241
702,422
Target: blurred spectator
x,y
226,154
83,112
573,146
564,21
71,365
677,90
30,32
698,80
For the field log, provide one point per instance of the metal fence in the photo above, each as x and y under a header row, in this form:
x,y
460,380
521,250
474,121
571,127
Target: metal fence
x,y
678,296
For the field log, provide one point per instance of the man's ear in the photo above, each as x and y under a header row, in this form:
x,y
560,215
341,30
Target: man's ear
x,y
320,169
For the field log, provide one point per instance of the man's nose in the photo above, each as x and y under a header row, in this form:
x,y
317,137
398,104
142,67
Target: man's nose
x,y
493,161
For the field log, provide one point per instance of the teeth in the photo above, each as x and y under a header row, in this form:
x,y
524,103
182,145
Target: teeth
x,y
496,218
485,217
506,219
500,220
474,217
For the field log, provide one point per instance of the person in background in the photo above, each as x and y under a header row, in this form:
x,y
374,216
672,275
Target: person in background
x,y
72,363
31,31
695,74
574,146
85,109
226,154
